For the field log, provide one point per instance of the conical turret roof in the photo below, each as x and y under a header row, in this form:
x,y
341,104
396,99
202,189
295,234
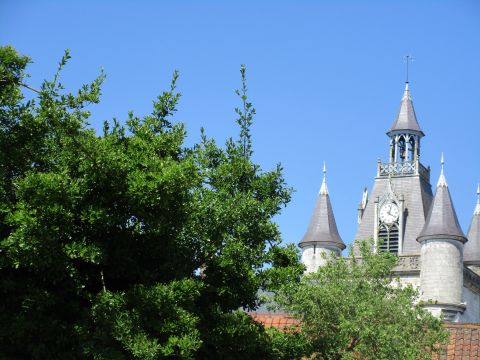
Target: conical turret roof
x,y
442,221
323,228
471,251
406,118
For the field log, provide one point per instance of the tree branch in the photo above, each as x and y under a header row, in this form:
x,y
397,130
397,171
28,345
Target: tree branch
x,y
29,87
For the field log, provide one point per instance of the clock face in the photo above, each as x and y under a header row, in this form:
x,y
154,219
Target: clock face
x,y
389,213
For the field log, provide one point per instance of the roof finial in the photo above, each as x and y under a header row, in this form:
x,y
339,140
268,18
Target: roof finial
x,y
407,59
477,207
323,188
442,181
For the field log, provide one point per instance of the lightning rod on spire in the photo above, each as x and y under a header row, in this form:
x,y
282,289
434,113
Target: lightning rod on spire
x,y
407,59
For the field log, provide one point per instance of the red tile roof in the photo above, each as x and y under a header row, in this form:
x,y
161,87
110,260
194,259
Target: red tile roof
x,y
279,321
464,338
464,342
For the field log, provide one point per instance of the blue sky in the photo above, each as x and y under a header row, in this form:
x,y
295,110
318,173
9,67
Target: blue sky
x,y
326,78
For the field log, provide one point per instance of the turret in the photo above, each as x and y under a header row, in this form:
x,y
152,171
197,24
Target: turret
x,y
441,270
322,238
471,253
405,133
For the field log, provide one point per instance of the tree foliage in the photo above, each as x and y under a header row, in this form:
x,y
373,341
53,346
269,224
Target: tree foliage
x,y
354,308
129,245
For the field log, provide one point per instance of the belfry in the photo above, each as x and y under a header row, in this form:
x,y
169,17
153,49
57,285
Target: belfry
x,y
401,195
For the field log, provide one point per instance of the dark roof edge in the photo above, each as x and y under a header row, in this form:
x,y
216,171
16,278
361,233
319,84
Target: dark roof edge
x,y
342,246
423,238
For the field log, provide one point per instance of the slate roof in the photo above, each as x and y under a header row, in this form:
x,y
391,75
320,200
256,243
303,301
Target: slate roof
x,y
322,228
471,251
406,118
442,221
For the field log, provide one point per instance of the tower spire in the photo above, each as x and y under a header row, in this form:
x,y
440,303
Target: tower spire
x,y
442,219
406,121
471,251
323,188
441,180
405,133
477,207
323,228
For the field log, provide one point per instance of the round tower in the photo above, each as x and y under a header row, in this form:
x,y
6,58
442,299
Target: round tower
x,y
321,240
441,256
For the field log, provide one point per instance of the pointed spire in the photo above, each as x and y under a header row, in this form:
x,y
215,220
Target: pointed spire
x,y
323,227
471,251
442,221
406,118
323,188
441,180
477,207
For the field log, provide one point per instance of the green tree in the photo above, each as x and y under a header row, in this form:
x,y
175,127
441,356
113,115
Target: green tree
x,y
129,245
354,308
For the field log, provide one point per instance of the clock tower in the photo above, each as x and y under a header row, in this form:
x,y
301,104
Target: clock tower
x,y
395,212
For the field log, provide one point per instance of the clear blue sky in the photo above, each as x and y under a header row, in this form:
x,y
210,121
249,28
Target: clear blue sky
x,y
326,78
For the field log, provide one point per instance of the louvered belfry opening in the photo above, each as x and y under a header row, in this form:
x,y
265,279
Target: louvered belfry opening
x,y
388,238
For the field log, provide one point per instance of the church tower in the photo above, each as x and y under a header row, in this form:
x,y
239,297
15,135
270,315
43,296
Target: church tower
x,y
441,271
322,238
401,195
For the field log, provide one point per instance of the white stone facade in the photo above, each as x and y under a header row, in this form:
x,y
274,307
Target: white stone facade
x,y
441,274
314,256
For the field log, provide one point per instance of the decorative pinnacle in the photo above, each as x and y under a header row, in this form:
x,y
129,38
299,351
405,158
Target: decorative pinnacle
x,y
442,181
406,93
477,207
323,188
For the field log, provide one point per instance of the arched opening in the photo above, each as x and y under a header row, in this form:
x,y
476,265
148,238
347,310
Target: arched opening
x,y
392,150
402,148
411,148
388,236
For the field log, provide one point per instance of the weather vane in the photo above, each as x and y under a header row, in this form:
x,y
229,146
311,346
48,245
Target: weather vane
x,y
408,59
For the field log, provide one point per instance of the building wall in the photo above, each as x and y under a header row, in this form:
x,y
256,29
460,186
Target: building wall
x,y
411,279
472,312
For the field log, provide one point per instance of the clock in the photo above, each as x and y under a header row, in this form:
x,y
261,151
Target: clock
x,y
389,213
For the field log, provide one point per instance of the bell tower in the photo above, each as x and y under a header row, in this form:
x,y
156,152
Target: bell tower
x,y
405,133
401,196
